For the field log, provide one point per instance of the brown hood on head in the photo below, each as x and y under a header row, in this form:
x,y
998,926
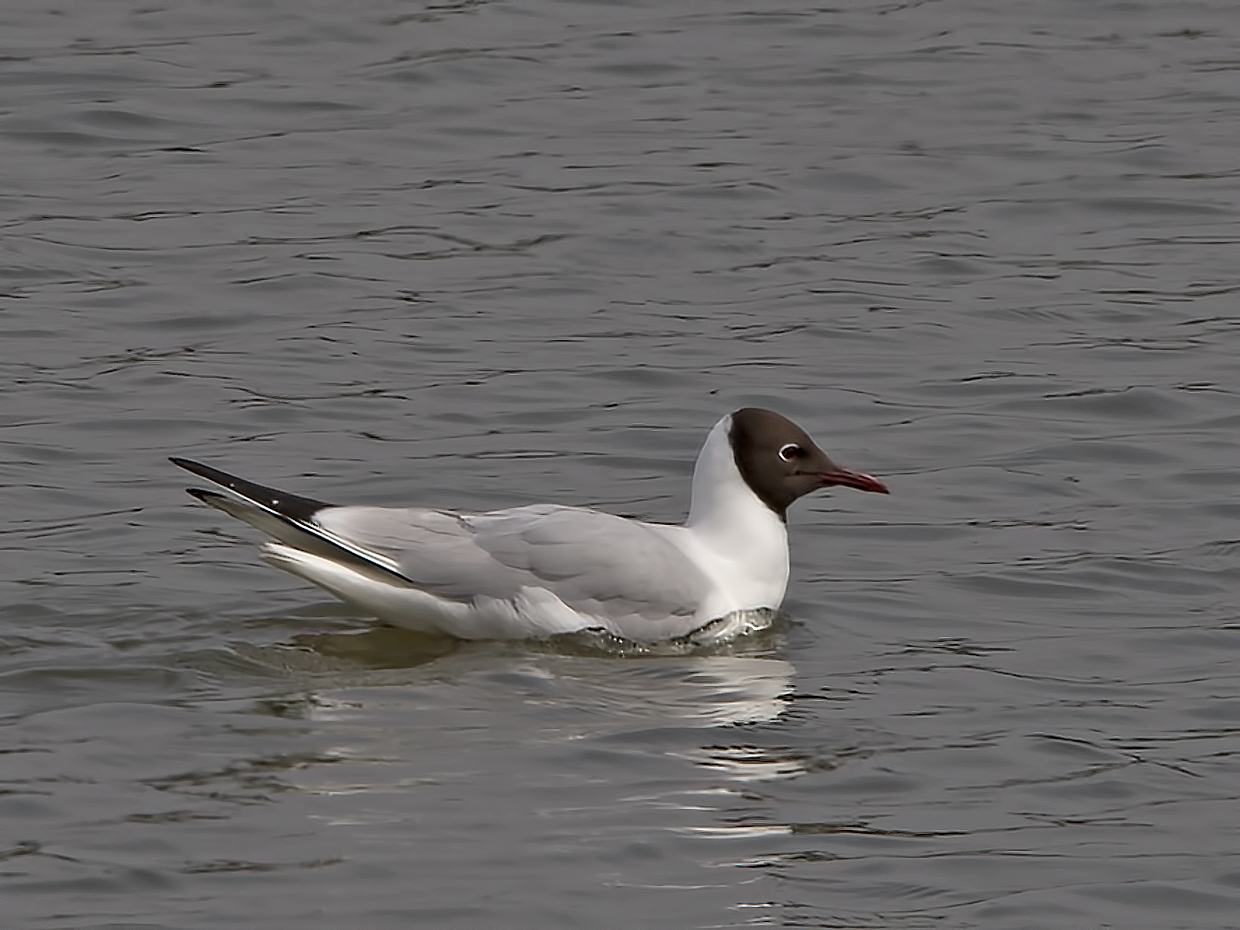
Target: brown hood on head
x,y
780,462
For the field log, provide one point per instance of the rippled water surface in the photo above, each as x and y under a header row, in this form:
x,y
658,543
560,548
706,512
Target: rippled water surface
x,y
474,254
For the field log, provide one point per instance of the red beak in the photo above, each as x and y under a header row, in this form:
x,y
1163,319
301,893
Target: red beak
x,y
853,479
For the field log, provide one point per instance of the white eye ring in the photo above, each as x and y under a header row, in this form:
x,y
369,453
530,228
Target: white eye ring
x,y
790,451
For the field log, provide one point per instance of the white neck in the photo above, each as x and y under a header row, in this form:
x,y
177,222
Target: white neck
x,y
748,541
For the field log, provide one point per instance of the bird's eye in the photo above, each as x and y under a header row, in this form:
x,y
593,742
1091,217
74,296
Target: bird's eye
x,y
791,451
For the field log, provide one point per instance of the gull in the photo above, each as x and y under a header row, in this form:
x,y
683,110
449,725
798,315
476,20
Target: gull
x,y
546,569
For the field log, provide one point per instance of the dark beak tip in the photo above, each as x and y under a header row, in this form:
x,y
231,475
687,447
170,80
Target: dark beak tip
x,y
854,479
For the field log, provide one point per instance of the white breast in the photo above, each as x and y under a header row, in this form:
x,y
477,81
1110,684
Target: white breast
x,y
737,540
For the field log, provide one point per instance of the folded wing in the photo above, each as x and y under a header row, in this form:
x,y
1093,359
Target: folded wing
x,y
596,563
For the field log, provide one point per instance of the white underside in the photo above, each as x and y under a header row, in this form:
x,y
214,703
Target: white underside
x,y
534,613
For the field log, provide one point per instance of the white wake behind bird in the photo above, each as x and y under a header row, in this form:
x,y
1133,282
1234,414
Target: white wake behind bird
x,y
544,569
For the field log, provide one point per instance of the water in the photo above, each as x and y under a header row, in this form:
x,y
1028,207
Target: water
x,y
477,254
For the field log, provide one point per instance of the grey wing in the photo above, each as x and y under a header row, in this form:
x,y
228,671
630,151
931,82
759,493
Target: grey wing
x,y
432,549
594,562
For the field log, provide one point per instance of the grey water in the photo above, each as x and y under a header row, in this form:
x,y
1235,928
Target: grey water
x,y
476,254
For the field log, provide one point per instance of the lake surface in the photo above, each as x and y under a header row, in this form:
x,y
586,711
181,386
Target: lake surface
x,y
477,254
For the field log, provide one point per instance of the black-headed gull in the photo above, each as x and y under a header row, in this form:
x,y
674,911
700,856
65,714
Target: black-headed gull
x,y
543,569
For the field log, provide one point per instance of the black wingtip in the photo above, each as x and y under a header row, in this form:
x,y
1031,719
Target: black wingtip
x,y
202,471
292,506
